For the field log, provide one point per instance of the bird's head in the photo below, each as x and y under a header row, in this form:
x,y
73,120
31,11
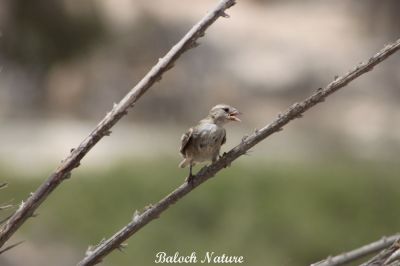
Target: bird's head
x,y
223,113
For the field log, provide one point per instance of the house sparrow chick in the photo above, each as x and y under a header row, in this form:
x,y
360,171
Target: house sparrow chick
x,y
203,142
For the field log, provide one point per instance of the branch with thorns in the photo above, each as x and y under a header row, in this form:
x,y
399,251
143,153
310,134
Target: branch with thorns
x,y
63,172
293,112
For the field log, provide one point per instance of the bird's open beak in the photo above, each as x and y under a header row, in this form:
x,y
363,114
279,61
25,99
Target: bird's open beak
x,y
233,116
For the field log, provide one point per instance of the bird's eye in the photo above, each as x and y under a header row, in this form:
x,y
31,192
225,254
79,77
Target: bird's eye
x,y
226,109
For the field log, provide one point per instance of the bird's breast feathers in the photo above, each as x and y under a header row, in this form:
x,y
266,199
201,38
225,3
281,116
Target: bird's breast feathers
x,y
207,141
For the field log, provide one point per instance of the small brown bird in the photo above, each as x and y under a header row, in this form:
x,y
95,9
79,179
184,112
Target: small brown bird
x,y
203,142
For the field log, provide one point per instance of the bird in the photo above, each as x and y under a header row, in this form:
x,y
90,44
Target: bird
x,y
203,142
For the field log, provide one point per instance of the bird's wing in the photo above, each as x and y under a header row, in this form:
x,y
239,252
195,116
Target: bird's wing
x,y
185,140
223,138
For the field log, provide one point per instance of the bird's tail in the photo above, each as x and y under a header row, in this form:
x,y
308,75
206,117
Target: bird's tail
x,y
184,163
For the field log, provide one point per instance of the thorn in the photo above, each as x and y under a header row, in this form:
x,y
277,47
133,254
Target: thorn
x,y
149,206
201,34
224,15
136,216
68,175
115,105
244,138
170,66
89,250
256,130
295,105
279,129
107,133
299,116
21,206
319,89
335,77
34,215
122,246
194,44
3,185
72,150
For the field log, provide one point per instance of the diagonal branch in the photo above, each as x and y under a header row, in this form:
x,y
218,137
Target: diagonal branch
x,y
3,185
11,247
295,111
63,171
358,253
386,257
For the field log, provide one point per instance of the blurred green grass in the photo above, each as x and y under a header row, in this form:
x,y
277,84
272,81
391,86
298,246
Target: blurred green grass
x,y
270,213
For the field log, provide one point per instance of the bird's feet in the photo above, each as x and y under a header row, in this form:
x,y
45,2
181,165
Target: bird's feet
x,y
190,178
220,157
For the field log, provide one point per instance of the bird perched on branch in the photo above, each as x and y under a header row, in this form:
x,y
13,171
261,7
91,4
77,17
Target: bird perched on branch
x,y
203,141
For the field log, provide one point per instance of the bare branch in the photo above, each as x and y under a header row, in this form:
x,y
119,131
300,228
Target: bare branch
x,y
11,246
4,207
358,253
103,128
294,111
389,256
3,185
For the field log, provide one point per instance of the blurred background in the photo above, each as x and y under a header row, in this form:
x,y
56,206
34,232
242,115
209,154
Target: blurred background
x,y
325,184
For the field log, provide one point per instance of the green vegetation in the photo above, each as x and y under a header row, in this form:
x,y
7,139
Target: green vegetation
x,y
272,214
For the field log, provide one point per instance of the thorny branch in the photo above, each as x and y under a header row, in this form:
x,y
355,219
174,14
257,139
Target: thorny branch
x,y
10,247
388,257
63,171
358,253
3,207
139,220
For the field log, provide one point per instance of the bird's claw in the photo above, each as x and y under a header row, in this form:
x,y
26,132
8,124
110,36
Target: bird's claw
x,y
220,156
190,178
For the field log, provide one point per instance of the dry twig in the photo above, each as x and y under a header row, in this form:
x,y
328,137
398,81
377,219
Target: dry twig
x,y
103,128
294,111
10,247
387,257
358,253
3,185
